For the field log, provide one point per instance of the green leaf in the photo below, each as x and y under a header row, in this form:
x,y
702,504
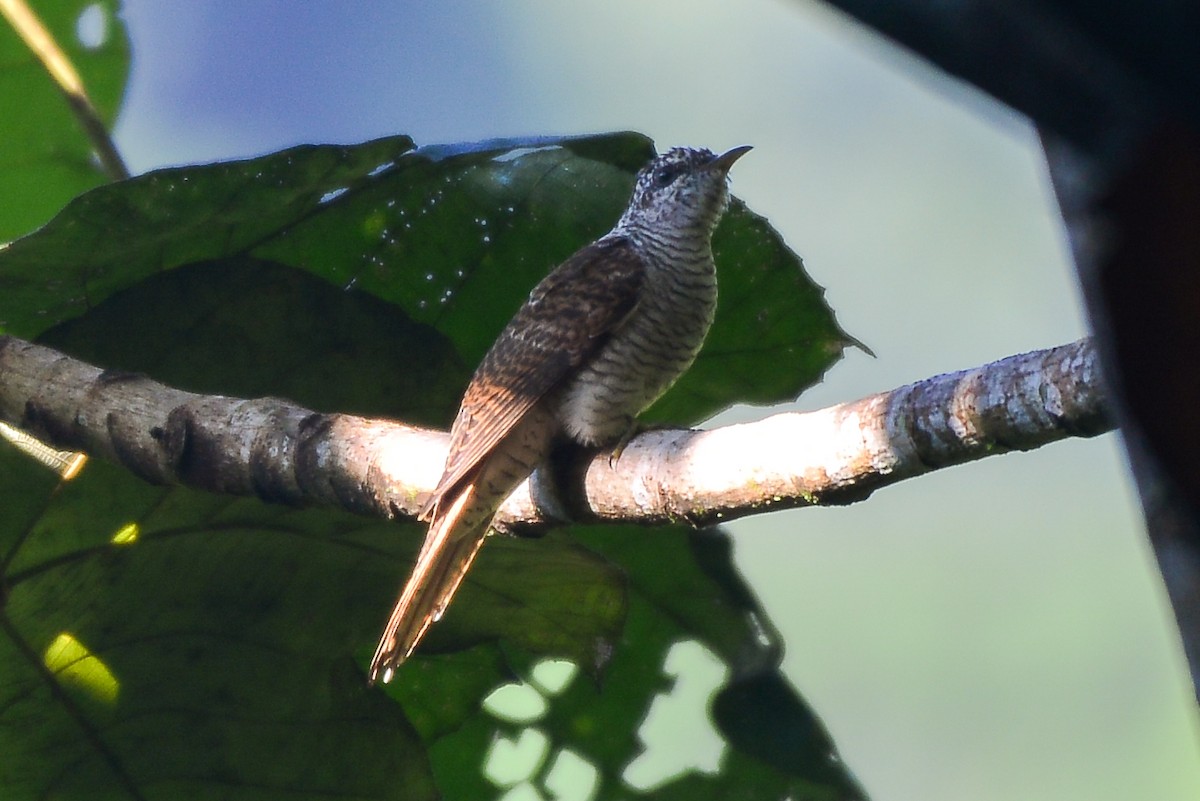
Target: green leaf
x,y
694,639
774,336
45,158
205,647
454,237
171,642
684,591
174,644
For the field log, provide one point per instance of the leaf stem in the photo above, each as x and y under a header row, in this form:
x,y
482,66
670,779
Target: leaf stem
x,y
39,40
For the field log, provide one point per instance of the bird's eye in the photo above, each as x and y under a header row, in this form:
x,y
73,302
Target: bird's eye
x,y
665,175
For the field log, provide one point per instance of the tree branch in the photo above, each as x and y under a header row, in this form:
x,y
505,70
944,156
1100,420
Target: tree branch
x,y
283,453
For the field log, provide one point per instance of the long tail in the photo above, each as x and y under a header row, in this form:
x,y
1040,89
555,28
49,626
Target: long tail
x,y
455,537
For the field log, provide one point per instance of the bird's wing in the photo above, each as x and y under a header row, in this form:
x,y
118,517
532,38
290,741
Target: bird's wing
x,y
567,318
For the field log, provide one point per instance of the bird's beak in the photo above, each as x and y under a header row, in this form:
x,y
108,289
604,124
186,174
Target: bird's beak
x,y
724,161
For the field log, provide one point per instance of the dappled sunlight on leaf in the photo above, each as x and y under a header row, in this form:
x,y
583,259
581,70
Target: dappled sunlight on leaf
x,y
127,534
78,668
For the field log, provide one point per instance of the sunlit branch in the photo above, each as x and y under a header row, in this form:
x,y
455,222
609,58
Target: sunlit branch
x,y
284,453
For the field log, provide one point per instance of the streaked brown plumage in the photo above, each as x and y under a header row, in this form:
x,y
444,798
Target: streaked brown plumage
x,y
599,339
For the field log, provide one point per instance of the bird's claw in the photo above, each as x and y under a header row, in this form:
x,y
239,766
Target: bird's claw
x,y
634,428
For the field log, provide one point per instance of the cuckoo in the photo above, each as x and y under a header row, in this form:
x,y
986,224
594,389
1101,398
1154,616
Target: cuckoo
x,y
599,339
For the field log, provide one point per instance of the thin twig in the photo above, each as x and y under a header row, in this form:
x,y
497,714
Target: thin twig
x,y
39,40
66,463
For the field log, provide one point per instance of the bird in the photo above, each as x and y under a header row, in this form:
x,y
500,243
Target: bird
x,y
598,340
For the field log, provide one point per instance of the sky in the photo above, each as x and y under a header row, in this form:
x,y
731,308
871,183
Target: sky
x,y
993,631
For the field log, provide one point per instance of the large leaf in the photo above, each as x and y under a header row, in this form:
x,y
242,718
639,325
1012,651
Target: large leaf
x,y
45,158
173,641
454,238
173,644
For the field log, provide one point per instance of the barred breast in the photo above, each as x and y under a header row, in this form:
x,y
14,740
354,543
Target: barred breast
x,y
653,347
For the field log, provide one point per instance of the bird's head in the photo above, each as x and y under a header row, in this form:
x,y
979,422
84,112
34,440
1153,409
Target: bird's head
x,y
685,189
